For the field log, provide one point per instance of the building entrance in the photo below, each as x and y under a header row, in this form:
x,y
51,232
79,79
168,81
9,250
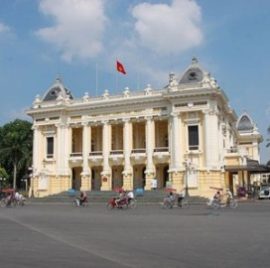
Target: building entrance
x,y
162,175
139,178
76,178
117,177
96,178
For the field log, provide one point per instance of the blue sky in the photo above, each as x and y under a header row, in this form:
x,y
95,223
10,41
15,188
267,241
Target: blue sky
x,y
41,39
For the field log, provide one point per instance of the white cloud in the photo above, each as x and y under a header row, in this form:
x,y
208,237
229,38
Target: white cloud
x,y
4,28
168,28
78,28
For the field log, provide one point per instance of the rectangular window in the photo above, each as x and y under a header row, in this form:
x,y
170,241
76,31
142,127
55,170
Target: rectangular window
x,y
50,147
193,137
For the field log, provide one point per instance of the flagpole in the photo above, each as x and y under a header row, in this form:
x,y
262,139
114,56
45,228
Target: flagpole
x,y
116,82
96,79
116,78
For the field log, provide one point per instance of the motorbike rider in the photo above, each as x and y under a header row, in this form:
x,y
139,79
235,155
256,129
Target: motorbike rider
x,y
217,197
121,197
169,199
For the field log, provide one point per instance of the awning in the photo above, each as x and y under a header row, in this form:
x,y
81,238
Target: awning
x,y
251,168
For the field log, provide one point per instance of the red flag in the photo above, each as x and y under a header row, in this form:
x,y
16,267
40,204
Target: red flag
x,y
120,68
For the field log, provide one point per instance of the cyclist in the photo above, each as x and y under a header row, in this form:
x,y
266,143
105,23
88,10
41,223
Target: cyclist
x,y
217,197
169,200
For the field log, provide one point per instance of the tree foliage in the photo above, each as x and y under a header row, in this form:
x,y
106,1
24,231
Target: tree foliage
x,y
268,140
16,149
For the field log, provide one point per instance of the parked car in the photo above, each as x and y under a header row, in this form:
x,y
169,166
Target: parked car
x,y
264,192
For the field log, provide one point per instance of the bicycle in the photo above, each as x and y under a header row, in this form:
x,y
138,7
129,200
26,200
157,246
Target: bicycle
x,y
215,204
183,203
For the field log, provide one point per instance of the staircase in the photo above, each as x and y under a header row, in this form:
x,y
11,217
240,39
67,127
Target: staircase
x,y
148,197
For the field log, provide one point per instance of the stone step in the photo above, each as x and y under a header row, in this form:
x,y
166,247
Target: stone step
x,y
104,196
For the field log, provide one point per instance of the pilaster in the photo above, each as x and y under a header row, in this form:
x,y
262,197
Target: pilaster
x,y
150,141
127,173
106,182
211,141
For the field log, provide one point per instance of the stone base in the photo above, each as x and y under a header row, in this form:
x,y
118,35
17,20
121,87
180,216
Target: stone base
x,y
128,182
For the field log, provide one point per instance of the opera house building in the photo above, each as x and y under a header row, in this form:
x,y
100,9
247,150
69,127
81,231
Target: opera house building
x,y
185,135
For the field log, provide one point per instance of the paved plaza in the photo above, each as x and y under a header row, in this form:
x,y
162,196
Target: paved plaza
x,y
51,235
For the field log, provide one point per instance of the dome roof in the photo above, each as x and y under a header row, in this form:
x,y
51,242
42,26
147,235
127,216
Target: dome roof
x,y
57,90
193,74
245,123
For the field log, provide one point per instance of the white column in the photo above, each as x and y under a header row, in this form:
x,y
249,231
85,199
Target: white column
x,y
86,147
211,142
62,153
176,153
36,145
150,141
106,146
127,144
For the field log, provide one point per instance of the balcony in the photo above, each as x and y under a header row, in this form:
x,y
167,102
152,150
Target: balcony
x,y
161,155
96,158
76,158
138,156
116,157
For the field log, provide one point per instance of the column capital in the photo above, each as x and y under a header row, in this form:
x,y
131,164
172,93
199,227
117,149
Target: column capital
x,y
175,114
85,124
148,118
105,122
126,120
61,125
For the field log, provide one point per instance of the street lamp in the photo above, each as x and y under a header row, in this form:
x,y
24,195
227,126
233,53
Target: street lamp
x,y
187,167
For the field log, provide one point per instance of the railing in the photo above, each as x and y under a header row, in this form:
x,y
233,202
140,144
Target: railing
x,y
95,153
113,152
161,149
138,151
193,147
76,154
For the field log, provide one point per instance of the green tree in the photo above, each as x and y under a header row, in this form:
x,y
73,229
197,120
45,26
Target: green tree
x,y
16,147
3,176
268,140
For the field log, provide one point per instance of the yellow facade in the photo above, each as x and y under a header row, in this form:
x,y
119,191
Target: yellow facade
x,y
182,135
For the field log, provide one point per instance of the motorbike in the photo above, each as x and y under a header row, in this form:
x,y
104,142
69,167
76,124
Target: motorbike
x,y
126,202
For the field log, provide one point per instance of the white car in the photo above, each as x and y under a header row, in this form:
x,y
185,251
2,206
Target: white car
x,y
264,192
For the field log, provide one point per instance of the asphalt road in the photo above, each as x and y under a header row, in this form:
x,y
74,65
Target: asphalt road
x,y
50,235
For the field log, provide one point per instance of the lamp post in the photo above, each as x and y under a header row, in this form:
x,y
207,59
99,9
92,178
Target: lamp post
x,y
188,166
